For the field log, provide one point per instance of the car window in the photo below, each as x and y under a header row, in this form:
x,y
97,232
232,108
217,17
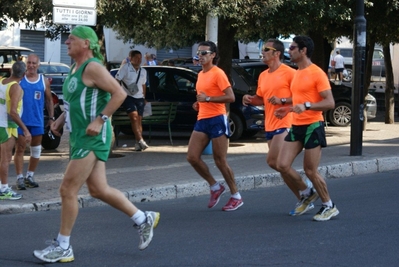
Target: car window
x,y
346,52
9,56
172,81
53,69
378,55
255,71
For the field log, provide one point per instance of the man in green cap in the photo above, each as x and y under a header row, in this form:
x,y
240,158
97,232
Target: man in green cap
x,y
91,95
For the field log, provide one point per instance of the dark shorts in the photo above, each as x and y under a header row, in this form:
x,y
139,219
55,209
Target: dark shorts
x,y
34,130
134,104
213,127
310,136
269,135
339,70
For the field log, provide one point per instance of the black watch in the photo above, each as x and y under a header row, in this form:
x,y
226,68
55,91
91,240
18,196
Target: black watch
x,y
103,117
283,101
52,118
307,105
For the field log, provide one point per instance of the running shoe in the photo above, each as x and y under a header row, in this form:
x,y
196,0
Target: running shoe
x,y
54,253
326,213
9,194
21,184
143,145
215,196
233,204
137,147
305,201
309,207
146,229
30,182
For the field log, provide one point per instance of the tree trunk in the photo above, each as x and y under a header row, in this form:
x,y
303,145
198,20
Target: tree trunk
x,y
225,45
389,86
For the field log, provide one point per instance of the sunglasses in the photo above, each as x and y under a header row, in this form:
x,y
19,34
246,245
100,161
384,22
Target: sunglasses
x,y
203,52
268,48
292,47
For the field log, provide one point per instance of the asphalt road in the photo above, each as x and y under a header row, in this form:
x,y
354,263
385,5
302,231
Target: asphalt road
x,y
261,233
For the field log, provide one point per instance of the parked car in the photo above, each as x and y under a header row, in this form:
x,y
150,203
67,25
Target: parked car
x,y
341,115
176,84
178,61
56,73
378,64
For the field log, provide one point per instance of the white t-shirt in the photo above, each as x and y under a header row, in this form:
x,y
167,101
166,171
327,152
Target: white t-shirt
x,y
339,61
128,74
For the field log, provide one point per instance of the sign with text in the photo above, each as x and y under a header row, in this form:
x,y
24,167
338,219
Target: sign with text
x,y
74,16
75,3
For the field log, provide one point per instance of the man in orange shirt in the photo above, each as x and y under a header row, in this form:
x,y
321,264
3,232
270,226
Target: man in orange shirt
x,y
274,92
311,95
213,91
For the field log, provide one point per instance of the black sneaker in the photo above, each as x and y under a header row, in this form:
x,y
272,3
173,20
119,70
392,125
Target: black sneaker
x,y
29,182
21,184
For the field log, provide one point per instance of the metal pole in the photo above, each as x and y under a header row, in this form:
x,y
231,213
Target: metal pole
x,y
359,46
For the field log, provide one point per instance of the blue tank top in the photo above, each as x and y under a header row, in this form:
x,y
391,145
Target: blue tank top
x,y
33,101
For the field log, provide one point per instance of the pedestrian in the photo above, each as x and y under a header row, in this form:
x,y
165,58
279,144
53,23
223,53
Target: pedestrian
x,y
196,61
274,92
131,72
311,95
339,66
36,93
10,108
213,91
91,95
150,59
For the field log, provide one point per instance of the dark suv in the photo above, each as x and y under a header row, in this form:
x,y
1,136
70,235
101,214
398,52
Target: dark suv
x,y
176,84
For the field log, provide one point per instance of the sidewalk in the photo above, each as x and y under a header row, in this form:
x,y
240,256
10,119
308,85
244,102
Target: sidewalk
x,y
162,172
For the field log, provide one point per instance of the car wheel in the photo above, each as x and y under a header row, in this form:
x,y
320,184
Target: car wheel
x,y
348,77
236,126
341,115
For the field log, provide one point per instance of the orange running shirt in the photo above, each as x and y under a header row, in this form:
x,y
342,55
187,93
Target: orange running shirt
x,y
212,83
276,84
306,87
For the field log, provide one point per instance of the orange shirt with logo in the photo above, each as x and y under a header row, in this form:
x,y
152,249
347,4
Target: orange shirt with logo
x,y
306,87
212,83
276,83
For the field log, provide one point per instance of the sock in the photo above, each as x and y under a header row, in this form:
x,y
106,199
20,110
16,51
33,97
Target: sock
x,y
28,173
139,217
328,203
63,241
305,192
215,187
3,187
236,195
20,176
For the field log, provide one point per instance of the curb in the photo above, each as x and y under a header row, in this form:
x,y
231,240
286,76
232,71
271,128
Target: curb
x,y
244,183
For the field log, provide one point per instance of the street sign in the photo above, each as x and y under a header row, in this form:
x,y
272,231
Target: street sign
x,y
74,16
75,3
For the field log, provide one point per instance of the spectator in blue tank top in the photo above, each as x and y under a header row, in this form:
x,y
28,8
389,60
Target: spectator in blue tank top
x,y
37,92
